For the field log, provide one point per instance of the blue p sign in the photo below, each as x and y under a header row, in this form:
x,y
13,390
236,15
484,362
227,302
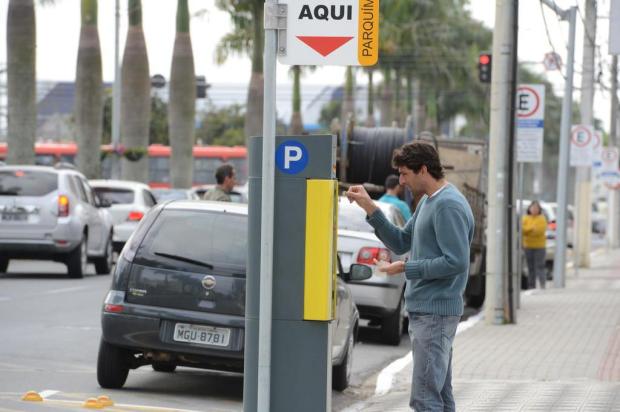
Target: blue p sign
x,y
291,157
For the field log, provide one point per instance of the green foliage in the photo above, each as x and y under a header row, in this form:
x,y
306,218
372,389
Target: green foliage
x,y
223,126
330,111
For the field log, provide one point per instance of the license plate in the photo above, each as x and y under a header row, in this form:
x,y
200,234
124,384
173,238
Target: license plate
x,y
203,335
14,217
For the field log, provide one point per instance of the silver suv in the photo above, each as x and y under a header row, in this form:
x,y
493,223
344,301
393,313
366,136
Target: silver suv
x,y
52,213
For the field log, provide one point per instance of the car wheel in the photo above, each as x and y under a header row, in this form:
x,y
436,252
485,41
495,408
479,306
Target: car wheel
x,y
103,265
341,374
112,366
392,325
164,367
78,260
4,265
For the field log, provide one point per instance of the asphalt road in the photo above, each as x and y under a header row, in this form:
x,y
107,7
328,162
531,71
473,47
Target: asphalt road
x,y
49,337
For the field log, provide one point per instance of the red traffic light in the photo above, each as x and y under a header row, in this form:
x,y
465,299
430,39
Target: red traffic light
x,y
484,59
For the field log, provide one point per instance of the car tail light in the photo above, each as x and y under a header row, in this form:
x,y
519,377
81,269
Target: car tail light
x,y
367,255
552,225
135,216
63,206
114,302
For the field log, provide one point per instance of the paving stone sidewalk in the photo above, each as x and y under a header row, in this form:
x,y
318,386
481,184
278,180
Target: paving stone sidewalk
x,y
562,355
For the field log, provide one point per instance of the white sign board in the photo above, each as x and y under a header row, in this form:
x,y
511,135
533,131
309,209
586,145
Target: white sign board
x,y
331,32
614,27
597,149
581,146
530,122
609,172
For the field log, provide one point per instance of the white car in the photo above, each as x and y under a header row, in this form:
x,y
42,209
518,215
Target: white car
x,y
380,298
129,201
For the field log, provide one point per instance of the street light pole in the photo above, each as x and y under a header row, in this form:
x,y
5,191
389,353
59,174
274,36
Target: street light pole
x,y
116,95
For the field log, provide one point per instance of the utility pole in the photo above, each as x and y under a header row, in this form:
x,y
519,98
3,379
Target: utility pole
x,y
116,95
502,101
613,197
583,193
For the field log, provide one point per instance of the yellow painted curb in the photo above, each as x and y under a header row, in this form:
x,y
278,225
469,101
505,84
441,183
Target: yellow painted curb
x,y
105,400
92,403
32,396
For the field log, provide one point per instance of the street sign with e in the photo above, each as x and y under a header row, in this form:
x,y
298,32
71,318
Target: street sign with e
x,y
609,173
331,33
530,122
581,146
552,61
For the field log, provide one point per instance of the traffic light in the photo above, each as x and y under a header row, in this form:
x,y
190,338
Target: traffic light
x,y
484,67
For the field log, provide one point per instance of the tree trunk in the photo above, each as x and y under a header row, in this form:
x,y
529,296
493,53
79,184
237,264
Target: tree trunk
x,y
387,99
348,104
297,124
182,105
254,107
21,79
398,100
89,94
370,119
136,99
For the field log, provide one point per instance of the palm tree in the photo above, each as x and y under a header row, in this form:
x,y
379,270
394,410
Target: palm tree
x,y
348,102
247,38
89,93
21,81
136,100
181,107
370,119
297,123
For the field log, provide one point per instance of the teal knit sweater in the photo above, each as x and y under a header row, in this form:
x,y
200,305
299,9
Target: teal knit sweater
x,y
438,235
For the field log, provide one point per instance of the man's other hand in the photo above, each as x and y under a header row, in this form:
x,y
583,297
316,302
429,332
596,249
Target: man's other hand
x,y
390,268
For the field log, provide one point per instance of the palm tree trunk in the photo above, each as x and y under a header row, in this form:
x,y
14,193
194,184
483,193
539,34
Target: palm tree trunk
x,y
89,94
387,97
348,105
370,120
21,78
398,108
136,99
182,106
254,107
297,124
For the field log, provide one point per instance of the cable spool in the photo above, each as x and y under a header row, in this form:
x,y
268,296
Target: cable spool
x,y
370,153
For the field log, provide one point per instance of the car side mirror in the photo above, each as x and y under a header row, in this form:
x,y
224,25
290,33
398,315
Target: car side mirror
x,y
359,272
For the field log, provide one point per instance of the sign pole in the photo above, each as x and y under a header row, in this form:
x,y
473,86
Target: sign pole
x,y
267,215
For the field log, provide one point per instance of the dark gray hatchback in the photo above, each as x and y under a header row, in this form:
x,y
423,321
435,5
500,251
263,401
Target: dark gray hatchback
x,y
178,296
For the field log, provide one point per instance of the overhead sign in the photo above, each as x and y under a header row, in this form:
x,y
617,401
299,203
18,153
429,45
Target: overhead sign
x,y
331,33
581,146
614,27
291,157
530,122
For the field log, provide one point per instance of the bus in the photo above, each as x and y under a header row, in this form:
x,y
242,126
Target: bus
x,y
206,160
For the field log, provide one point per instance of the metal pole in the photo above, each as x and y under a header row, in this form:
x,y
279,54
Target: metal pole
x,y
559,266
612,202
519,257
116,94
267,218
501,102
583,194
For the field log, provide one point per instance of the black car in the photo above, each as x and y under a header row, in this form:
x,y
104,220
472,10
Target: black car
x,y
178,296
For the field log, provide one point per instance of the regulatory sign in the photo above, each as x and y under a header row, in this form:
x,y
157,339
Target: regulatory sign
x,y
530,122
331,33
581,146
291,157
552,61
609,172
597,149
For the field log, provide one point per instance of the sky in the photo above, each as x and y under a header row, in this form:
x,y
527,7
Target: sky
x,y
58,33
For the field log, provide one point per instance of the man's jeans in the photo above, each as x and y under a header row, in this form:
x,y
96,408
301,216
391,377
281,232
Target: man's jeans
x,y
431,338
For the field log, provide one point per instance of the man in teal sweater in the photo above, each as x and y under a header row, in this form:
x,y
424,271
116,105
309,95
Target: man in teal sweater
x,y
438,237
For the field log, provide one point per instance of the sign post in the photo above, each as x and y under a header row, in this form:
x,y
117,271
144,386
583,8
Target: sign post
x,y
312,32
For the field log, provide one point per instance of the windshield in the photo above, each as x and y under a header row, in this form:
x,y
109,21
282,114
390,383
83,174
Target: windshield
x,y
217,240
115,196
27,183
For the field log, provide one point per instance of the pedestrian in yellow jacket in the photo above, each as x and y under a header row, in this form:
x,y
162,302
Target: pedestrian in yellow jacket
x,y
534,243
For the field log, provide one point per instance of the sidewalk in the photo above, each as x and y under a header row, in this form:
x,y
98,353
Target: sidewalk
x,y
562,355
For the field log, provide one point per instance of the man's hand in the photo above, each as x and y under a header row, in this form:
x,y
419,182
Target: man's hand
x,y
390,268
360,196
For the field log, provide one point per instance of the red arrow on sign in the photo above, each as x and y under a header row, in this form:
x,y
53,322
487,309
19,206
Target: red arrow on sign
x,y
325,45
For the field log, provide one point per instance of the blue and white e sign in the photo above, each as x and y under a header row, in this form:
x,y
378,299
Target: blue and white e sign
x,y
291,157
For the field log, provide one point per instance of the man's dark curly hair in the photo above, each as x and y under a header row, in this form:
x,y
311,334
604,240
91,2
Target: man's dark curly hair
x,y
417,154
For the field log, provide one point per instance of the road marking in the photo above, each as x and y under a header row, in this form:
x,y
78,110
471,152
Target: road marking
x,y
386,376
63,290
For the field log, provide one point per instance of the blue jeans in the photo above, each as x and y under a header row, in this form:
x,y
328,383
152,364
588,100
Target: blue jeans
x,y
431,339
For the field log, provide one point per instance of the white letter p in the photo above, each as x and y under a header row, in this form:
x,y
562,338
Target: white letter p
x,y
291,154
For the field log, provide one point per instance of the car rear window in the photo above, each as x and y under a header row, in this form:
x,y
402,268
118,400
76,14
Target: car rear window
x,y
350,218
27,183
216,239
115,196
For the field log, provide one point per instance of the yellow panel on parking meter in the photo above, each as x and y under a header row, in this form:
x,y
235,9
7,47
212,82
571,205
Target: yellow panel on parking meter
x,y
320,245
